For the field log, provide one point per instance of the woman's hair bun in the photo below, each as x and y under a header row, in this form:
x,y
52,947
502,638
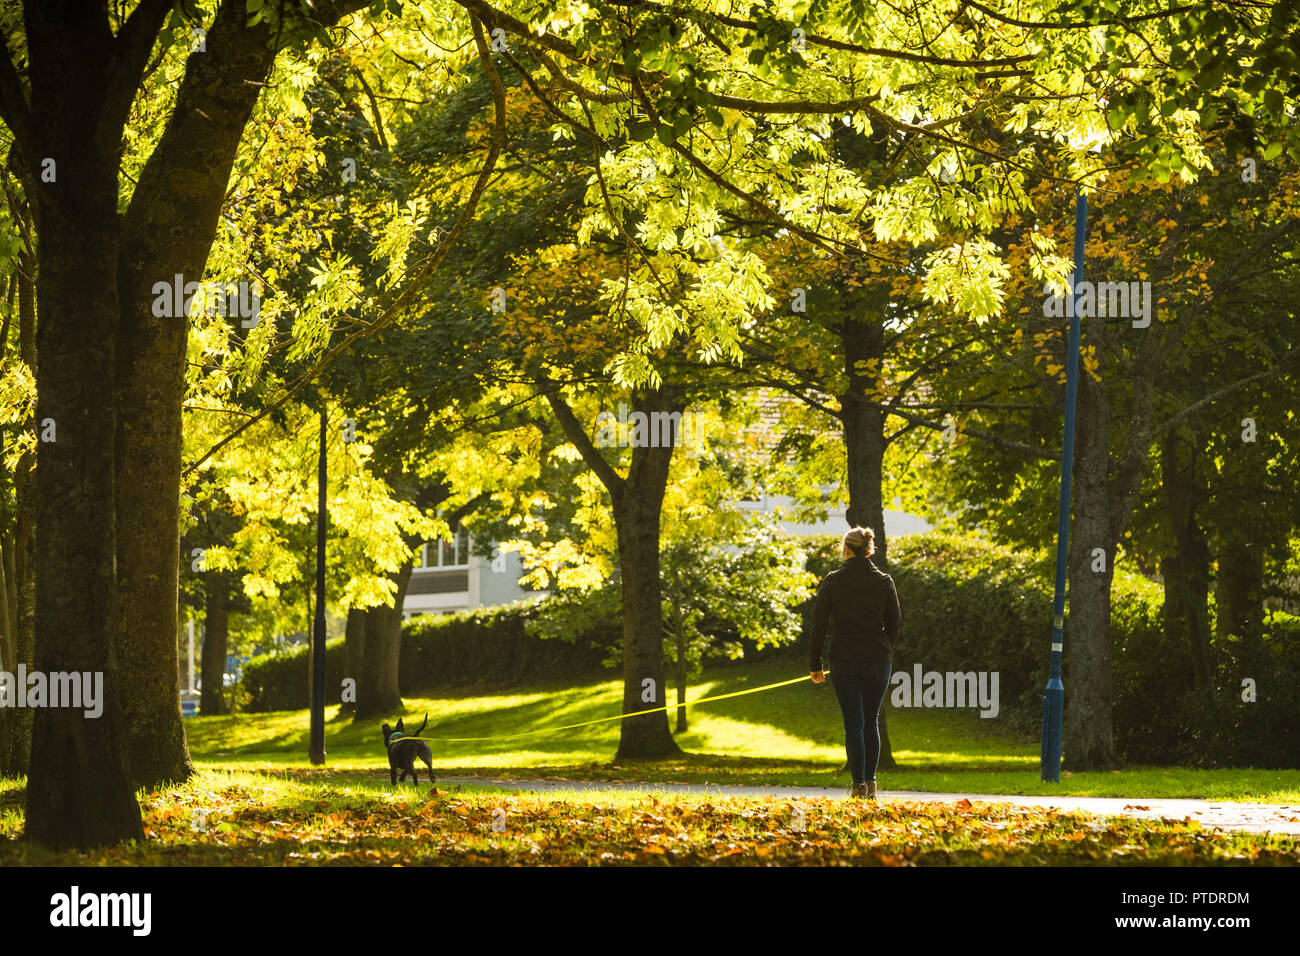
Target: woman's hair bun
x,y
861,541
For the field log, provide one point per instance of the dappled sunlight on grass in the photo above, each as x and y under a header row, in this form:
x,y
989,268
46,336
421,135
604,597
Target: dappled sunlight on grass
x,y
729,736
790,735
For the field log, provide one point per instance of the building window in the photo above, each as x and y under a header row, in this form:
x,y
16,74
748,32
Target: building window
x,y
451,552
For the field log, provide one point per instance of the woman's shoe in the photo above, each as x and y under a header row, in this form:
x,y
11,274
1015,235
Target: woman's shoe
x,y
859,791
869,789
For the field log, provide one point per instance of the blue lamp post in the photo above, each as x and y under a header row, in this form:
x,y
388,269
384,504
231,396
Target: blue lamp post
x,y
1054,697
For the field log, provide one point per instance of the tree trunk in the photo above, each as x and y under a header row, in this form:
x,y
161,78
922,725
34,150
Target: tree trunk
x,y
864,447
681,680
8,639
354,644
1182,613
8,651
216,633
638,503
79,791
373,639
1239,592
181,640
8,547
1187,571
309,624
378,689
168,231
1088,733
148,555
95,273
22,580
25,535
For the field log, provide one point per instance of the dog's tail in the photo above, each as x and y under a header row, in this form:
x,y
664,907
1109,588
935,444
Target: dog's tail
x,y
421,730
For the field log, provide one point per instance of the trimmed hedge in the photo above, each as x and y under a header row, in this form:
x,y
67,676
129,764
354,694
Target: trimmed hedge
x,y
278,680
483,645
492,645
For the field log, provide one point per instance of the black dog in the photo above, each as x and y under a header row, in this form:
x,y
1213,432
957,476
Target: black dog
x,y
402,751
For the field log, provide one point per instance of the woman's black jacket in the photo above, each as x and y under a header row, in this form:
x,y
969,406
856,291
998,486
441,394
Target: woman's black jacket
x,y
857,601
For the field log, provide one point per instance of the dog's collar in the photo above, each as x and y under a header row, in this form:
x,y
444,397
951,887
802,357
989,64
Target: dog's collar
x,y
395,736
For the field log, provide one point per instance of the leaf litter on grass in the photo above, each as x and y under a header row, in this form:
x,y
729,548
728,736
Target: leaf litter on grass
x,y
268,820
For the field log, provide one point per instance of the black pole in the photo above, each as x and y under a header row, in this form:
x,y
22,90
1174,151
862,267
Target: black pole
x,y
316,749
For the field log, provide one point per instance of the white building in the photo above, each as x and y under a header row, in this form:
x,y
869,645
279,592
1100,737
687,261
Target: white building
x,y
896,522
449,578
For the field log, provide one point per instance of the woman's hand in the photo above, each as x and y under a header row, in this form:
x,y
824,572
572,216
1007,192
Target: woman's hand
x,y
819,677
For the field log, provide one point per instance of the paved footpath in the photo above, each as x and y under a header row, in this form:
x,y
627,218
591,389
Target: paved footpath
x,y
1219,814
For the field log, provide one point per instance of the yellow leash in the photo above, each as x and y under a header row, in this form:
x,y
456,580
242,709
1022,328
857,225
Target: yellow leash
x,y
636,713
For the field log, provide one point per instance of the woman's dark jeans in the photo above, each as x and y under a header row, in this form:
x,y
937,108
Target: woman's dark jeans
x,y
860,688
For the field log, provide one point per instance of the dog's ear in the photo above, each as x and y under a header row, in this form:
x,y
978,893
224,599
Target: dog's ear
x,y
387,731
399,724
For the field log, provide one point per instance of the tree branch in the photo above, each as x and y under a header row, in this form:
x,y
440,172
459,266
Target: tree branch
x,y
576,434
1021,447
15,108
131,49
1082,24
828,42
1214,396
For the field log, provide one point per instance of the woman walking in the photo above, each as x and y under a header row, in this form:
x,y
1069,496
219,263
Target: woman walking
x,y
857,601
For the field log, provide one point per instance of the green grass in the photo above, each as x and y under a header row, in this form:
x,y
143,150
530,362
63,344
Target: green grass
x,y
790,736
